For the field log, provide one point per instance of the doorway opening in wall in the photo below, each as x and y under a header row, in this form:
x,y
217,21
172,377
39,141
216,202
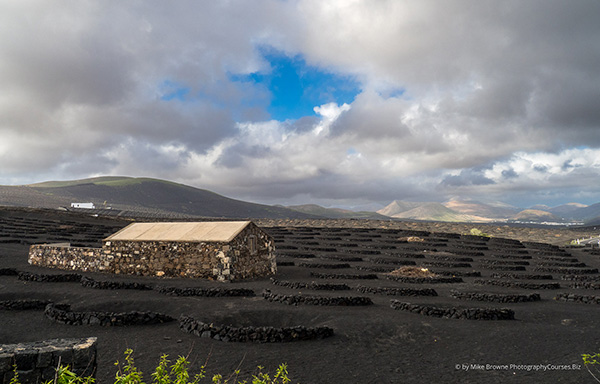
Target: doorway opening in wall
x,y
252,244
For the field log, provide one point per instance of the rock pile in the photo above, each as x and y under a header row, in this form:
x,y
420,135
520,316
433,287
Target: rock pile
x,y
580,278
585,285
326,266
206,292
20,305
569,271
252,334
368,276
495,297
517,284
390,291
50,278
346,301
524,276
312,285
425,280
455,312
61,313
586,299
91,283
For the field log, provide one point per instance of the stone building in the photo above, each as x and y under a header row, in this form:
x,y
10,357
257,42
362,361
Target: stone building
x,y
222,251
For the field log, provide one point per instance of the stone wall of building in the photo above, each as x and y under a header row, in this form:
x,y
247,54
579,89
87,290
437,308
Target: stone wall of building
x,y
160,258
62,256
243,262
251,254
36,362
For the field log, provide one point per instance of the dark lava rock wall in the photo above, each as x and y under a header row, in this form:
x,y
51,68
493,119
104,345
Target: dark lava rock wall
x,y
252,334
36,362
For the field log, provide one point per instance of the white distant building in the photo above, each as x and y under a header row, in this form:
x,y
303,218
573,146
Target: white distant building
x,y
83,205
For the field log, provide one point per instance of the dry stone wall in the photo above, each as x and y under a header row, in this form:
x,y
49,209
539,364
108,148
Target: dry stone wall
x,y
252,334
69,258
61,313
36,362
455,312
161,258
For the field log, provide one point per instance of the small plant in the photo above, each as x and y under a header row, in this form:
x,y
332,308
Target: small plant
x,y
176,373
65,376
593,361
281,376
575,242
15,378
130,374
478,232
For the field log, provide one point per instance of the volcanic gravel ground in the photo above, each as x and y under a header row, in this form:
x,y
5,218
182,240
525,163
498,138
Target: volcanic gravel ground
x,y
371,343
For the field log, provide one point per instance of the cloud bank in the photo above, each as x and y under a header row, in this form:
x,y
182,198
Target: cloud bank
x,y
487,99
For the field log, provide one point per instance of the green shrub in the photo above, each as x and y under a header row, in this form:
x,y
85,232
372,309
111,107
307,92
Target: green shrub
x,y
477,232
165,373
591,363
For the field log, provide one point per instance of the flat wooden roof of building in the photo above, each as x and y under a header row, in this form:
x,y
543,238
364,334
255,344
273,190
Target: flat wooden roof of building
x,y
213,231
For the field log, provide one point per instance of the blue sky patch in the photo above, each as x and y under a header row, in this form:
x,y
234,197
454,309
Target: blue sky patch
x,y
171,90
396,93
296,87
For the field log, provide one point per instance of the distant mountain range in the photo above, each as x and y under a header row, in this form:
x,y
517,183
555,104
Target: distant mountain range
x,y
336,213
159,198
473,211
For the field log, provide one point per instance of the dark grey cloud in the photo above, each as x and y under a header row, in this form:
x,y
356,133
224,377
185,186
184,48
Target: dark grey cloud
x,y
467,177
236,155
334,189
499,97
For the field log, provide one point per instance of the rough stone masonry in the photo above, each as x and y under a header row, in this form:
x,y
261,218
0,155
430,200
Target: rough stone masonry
x,y
222,251
37,362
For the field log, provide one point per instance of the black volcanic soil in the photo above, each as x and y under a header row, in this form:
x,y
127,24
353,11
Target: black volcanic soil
x,y
371,344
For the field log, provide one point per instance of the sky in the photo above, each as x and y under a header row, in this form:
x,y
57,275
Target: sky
x,y
339,103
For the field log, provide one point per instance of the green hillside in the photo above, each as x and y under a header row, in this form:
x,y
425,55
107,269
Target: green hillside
x,y
140,195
